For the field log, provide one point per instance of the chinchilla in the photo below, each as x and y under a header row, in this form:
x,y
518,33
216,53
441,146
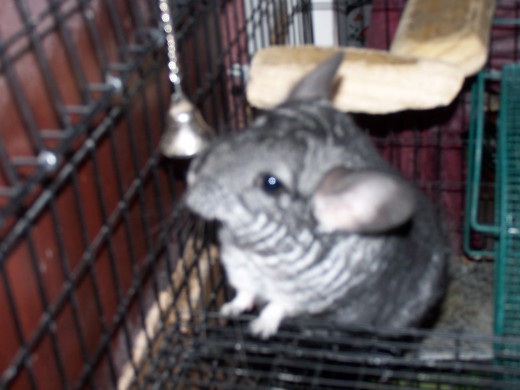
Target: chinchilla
x,y
314,222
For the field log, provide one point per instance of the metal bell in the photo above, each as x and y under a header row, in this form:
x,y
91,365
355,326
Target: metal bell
x,y
186,131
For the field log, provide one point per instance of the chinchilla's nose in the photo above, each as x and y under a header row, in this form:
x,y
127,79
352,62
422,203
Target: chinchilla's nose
x,y
203,196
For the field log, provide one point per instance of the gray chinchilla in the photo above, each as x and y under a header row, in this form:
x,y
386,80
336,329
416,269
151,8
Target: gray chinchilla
x,y
314,222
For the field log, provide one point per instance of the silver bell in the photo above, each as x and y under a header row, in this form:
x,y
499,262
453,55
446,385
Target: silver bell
x,y
186,131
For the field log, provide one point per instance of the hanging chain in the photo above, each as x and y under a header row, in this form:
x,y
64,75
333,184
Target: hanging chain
x,y
167,25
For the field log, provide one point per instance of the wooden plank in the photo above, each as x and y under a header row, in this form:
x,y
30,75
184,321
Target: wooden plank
x,y
371,81
456,32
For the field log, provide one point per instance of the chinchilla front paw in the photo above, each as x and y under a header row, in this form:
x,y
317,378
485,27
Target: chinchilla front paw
x,y
242,302
267,324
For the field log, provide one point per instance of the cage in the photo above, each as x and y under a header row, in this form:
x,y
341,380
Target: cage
x,y
106,283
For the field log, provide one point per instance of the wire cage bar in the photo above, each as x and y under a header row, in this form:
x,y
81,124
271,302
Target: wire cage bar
x,y
84,94
106,283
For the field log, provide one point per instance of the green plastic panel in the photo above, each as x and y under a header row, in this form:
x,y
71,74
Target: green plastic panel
x,y
507,288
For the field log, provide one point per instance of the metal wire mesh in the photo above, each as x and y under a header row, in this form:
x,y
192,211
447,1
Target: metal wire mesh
x,y
216,356
102,283
83,190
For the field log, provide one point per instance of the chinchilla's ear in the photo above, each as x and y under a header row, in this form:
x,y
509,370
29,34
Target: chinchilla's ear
x,y
365,201
317,84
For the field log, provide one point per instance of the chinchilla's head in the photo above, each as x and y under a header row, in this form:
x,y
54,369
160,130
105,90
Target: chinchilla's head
x,y
303,163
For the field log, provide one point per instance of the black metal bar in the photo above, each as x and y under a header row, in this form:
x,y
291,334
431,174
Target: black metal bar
x,y
17,43
120,38
138,193
20,98
86,262
11,175
223,112
43,64
96,40
70,49
126,223
69,285
228,52
136,14
112,257
156,191
21,359
50,329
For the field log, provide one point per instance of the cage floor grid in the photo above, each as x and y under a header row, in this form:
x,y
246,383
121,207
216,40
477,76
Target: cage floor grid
x,y
211,354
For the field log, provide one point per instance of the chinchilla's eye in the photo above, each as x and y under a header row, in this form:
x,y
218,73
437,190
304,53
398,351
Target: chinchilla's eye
x,y
271,184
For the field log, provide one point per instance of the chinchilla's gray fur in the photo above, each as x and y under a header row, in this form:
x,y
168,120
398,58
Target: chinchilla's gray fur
x,y
315,222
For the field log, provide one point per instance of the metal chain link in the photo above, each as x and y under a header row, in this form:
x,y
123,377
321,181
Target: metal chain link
x,y
167,25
